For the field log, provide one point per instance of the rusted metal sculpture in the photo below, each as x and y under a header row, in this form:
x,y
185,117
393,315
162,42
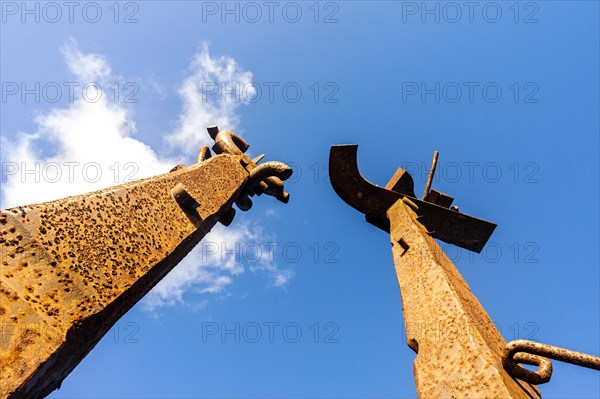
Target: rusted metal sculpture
x,y
459,350
460,353
71,268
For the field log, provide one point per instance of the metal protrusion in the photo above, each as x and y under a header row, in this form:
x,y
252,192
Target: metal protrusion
x,y
529,352
183,198
455,209
220,147
431,173
269,169
259,189
229,143
227,217
266,178
244,202
187,203
401,182
410,204
213,131
245,161
180,166
204,153
274,186
438,198
540,376
284,197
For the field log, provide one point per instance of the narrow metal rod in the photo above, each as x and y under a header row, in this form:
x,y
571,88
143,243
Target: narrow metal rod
x,y
431,173
513,354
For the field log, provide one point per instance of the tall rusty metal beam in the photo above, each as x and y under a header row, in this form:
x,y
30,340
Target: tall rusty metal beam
x,y
70,268
459,350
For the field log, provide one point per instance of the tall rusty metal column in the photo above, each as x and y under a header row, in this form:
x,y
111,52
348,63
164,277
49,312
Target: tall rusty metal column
x,y
71,268
459,350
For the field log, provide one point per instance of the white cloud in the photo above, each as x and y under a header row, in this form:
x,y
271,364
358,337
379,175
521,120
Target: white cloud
x,y
87,67
91,144
272,212
206,102
220,256
72,144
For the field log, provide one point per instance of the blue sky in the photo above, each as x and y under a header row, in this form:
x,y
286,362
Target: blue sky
x,y
508,92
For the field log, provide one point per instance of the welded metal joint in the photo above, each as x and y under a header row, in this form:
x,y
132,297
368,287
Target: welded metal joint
x,y
536,354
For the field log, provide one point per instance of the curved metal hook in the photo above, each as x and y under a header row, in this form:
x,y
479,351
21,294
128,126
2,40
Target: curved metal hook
x,y
268,178
354,189
244,202
529,352
270,169
374,201
274,186
540,376
231,143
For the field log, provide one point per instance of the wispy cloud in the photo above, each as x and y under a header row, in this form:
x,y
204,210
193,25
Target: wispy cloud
x,y
211,95
210,267
100,136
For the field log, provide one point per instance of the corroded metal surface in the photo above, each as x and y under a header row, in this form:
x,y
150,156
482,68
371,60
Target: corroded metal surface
x,y
266,178
69,269
529,352
450,226
459,350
